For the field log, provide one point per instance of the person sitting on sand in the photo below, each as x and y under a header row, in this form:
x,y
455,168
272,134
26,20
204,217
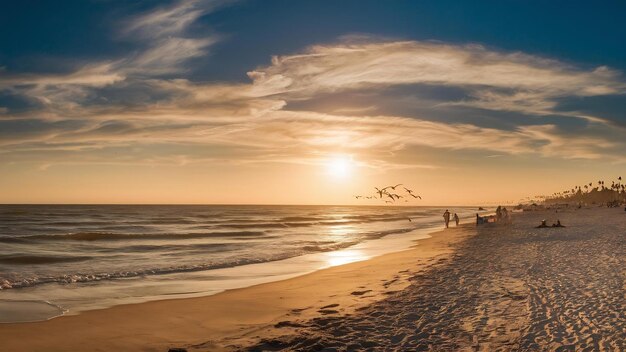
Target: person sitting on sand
x,y
558,224
543,224
446,217
456,219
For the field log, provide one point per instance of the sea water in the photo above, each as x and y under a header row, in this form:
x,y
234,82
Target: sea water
x,y
57,259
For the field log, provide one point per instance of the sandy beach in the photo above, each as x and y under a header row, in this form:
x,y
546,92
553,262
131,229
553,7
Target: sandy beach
x,y
488,288
331,176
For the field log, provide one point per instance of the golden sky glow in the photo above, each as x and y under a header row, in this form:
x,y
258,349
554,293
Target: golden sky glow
x,y
459,123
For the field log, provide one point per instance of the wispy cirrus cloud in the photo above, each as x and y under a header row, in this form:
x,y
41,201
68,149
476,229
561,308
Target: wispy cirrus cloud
x,y
164,22
164,33
95,75
174,118
495,80
164,46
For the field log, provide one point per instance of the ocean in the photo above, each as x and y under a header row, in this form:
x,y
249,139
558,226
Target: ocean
x,y
63,259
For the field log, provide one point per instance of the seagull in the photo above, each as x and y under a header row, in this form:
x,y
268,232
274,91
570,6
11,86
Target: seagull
x,y
387,201
357,197
414,196
391,196
380,192
392,187
410,220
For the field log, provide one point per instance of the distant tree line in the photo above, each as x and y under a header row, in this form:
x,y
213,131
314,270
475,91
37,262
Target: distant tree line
x,y
591,193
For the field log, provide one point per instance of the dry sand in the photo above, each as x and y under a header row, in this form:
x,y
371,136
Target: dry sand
x,y
508,288
491,288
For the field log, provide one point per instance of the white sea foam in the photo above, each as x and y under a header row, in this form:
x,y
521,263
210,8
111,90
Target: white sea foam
x,y
88,244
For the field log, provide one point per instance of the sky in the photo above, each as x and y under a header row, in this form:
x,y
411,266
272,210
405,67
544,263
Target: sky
x,y
308,102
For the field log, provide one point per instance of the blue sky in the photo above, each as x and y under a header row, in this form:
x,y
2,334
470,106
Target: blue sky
x,y
254,30
394,85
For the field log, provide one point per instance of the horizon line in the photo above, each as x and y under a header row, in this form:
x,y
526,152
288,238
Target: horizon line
x,y
250,204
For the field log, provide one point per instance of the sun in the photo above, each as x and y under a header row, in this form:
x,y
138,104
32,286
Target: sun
x,y
340,167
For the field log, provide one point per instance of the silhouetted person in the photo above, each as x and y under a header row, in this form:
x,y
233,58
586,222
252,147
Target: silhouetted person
x,y
498,213
446,218
543,225
456,219
505,215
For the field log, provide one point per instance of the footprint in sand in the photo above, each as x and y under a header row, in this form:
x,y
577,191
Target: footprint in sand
x,y
299,310
390,282
288,324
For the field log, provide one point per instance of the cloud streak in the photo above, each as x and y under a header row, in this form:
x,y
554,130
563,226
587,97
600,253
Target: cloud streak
x,y
165,46
502,81
85,115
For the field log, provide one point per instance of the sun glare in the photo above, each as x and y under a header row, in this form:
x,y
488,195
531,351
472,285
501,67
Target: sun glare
x,y
340,167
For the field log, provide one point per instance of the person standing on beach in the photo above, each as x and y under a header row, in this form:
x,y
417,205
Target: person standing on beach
x,y
446,218
456,219
505,215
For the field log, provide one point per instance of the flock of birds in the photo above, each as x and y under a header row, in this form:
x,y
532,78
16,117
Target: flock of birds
x,y
390,192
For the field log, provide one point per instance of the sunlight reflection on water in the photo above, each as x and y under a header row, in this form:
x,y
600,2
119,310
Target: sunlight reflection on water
x,y
345,257
340,230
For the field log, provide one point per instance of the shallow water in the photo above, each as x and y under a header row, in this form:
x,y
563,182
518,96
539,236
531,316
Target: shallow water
x,y
87,257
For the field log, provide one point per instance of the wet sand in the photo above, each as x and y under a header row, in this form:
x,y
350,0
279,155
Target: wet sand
x,y
470,289
233,318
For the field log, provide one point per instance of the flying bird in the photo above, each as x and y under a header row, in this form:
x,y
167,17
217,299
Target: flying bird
x,y
380,192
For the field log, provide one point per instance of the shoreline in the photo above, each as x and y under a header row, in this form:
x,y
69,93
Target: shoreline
x,y
510,287
80,297
209,321
136,270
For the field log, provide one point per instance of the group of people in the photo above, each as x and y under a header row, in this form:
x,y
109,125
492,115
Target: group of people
x,y
502,216
446,218
544,225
